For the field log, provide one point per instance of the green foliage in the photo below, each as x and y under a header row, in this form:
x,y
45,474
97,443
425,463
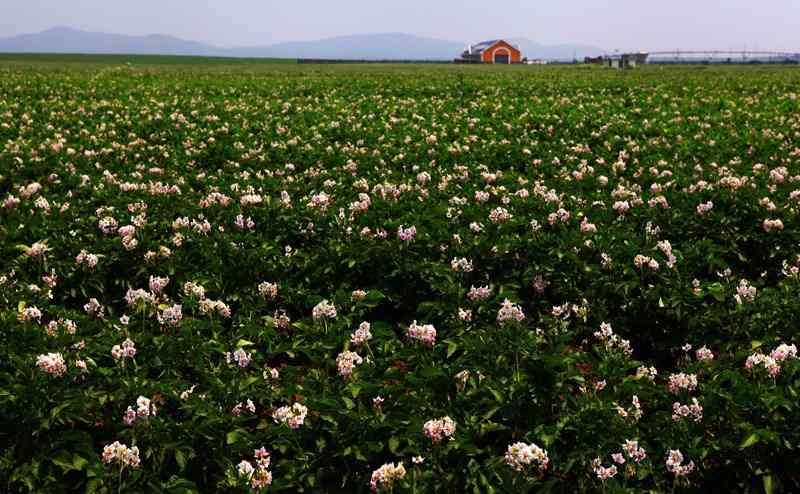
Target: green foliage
x,y
179,152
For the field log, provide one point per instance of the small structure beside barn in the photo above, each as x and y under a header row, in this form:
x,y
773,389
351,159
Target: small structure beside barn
x,y
496,51
624,60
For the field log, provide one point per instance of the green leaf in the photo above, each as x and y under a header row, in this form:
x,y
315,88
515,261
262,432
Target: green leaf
x,y
180,459
751,440
451,348
769,486
232,437
394,443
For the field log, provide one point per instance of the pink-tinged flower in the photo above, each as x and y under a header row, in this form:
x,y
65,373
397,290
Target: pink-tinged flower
x,y
648,373
133,297
52,363
144,409
157,284
36,250
127,231
319,201
641,261
171,315
704,207
521,456
674,464
438,429
603,473
192,289
771,362
385,476
499,215
93,308
693,411
612,342
257,476
406,234
240,356
587,227
243,223
126,350
770,225
268,290
464,314
424,333
241,407
122,455
357,295
462,265
361,335
634,451
245,469
509,311
479,293
346,362
293,416
621,207
10,201
324,310
783,352
681,381
129,417
618,458
30,314
215,306
703,354
745,292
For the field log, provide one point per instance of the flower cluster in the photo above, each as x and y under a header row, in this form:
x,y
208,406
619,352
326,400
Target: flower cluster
x,y
438,429
385,476
745,292
509,311
258,476
52,363
772,361
521,456
406,234
293,416
268,290
612,342
346,362
693,411
171,315
424,333
478,293
144,409
240,356
126,350
682,382
675,464
324,310
361,335
122,455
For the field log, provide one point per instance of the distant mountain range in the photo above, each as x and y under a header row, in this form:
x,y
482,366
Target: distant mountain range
x,y
387,46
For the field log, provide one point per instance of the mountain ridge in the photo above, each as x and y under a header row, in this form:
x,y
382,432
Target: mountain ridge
x,y
377,46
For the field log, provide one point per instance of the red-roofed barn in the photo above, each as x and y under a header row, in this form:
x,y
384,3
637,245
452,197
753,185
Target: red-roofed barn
x,y
492,51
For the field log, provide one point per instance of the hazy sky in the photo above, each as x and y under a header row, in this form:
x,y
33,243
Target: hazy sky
x,y
608,24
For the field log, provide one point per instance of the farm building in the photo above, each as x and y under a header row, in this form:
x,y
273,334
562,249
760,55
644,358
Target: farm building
x,y
624,60
492,51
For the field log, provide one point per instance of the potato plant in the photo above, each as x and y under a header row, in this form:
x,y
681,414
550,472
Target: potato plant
x,y
399,279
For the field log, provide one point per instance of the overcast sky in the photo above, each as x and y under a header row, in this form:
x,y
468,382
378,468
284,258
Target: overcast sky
x,y
608,24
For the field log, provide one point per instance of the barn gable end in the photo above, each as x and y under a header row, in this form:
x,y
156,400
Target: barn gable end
x,y
496,51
